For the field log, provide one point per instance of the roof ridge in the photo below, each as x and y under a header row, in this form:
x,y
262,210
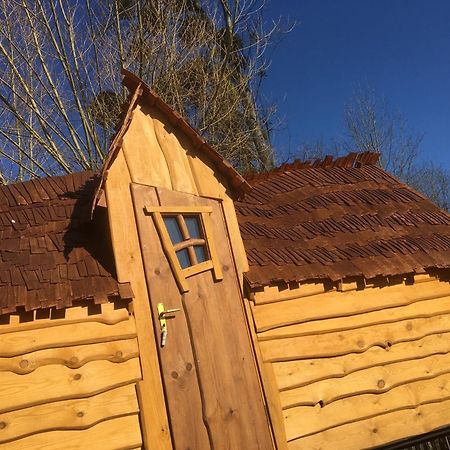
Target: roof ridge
x,y
351,160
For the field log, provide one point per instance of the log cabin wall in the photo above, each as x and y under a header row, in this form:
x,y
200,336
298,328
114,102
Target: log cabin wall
x,y
68,379
354,368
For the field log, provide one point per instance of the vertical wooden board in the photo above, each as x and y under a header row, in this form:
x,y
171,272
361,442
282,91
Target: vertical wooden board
x,y
175,155
233,404
128,261
206,180
121,433
184,399
145,160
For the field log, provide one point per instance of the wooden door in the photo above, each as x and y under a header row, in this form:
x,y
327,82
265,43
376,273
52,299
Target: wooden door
x,y
209,373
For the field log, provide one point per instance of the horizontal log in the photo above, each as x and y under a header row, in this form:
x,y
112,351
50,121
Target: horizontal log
x,y
374,380
72,315
379,430
73,356
342,304
305,420
20,342
420,309
69,414
353,341
55,383
118,434
290,374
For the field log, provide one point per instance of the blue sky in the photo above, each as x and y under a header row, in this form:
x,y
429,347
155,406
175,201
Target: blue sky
x,y
399,47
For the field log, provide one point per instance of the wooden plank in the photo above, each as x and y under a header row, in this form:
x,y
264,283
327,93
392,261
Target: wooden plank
x,y
55,383
69,414
210,236
72,315
305,420
128,262
175,155
379,430
179,369
341,304
119,434
20,342
73,356
374,380
353,341
420,309
145,160
292,374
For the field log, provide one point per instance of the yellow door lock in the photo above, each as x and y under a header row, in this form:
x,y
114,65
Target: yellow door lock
x,y
163,315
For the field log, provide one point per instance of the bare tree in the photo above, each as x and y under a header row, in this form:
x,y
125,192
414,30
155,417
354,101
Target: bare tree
x,y
60,62
371,125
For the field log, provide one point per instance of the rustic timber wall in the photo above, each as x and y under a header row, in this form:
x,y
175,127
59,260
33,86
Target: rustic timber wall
x,y
354,369
68,380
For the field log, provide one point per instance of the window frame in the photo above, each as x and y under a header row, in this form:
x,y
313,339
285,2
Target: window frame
x,y
204,215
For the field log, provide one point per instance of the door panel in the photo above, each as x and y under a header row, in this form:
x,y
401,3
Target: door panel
x,y
208,369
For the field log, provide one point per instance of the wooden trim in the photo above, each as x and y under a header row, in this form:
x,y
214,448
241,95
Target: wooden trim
x,y
206,219
198,268
149,209
170,251
188,243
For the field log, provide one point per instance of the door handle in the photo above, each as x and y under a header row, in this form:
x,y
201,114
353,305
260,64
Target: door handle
x,y
163,315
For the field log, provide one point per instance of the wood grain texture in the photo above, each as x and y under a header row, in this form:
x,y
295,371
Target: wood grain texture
x,y
292,374
73,356
420,309
305,420
129,267
341,304
21,342
69,414
55,383
379,430
374,380
353,341
122,433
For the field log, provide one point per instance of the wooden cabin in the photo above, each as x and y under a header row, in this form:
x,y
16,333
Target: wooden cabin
x,y
169,303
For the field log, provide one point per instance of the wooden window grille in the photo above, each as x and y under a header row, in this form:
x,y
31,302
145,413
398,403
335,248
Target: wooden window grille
x,y
187,239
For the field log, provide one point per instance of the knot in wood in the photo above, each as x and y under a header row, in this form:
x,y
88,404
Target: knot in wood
x,y
360,344
80,414
73,361
409,326
381,384
77,376
2,425
23,364
119,354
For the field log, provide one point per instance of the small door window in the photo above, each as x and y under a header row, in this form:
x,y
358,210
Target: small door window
x,y
187,239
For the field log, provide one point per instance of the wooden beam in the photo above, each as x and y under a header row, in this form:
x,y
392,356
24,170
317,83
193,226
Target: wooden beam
x,y
119,433
72,356
21,342
55,383
75,414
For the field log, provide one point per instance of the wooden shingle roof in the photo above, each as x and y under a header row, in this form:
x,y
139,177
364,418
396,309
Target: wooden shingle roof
x,y
51,253
335,219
